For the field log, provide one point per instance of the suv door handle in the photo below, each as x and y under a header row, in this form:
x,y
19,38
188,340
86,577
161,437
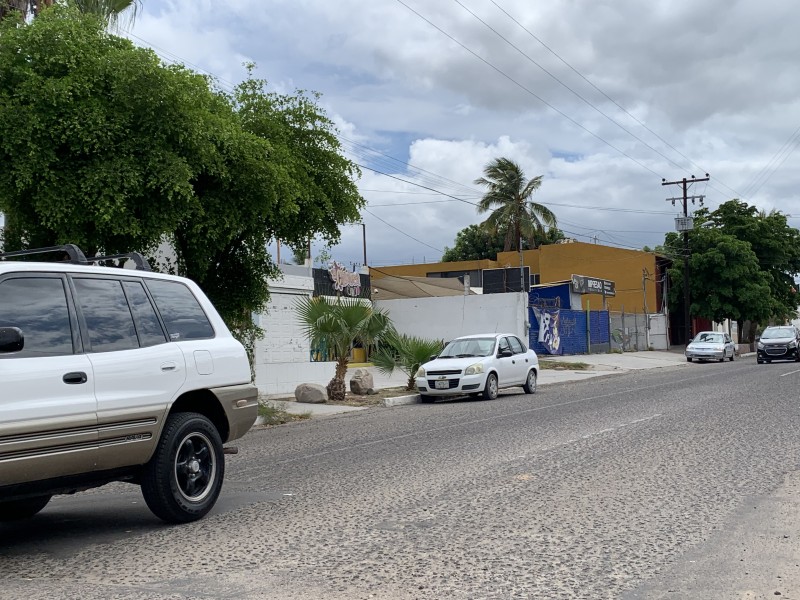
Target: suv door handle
x,y
75,378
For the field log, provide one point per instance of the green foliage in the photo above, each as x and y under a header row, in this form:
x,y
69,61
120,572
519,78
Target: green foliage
x,y
404,352
477,242
105,147
775,243
99,142
110,11
335,325
725,279
508,196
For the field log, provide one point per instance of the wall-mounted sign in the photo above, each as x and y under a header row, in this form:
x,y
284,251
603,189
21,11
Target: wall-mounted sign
x,y
344,280
582,284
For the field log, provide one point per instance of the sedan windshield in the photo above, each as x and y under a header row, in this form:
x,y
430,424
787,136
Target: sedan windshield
x,y
709,338
468,347
771,333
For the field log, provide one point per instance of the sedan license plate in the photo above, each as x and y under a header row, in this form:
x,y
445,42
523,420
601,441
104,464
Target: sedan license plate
x,y
442,384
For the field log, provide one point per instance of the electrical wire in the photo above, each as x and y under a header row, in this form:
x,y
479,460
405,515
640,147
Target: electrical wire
x,y
528,90
605,95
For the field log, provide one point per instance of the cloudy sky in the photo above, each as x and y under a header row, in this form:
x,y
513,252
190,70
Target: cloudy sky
x,y
604,99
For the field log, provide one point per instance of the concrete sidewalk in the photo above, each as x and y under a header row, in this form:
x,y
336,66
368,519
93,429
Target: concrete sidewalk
x,y
601,365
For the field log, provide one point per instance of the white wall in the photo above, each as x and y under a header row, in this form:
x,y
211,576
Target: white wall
x,y
283,355
452,316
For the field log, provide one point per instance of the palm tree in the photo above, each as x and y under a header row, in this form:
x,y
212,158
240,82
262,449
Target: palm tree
x,y
335,325
508,197
20,7
406,353
109,10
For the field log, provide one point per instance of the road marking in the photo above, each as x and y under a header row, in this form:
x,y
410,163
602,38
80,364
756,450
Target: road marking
x,y
791,373
420,432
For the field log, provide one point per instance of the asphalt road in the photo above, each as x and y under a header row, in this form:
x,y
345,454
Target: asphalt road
x,y
672,483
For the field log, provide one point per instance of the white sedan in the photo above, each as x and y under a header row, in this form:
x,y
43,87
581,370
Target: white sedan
x,y
479,364
711,345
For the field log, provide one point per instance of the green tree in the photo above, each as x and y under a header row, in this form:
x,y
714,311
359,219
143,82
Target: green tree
x,y
100,143
725,279
406,353
105,147
508,196
335,325
476,242
776,246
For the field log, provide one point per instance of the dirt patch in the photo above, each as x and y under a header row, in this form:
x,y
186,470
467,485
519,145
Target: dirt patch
x,y
352,399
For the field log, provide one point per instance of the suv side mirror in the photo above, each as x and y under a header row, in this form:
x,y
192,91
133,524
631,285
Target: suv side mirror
x,y
434,356
11,339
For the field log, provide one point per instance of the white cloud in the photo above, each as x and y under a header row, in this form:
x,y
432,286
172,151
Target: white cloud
x,y
715,80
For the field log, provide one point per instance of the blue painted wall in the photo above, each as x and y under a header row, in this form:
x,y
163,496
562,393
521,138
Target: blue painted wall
x,y
572,330
546,295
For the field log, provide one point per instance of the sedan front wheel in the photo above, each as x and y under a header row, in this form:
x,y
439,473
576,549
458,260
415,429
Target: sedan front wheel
x,y
530,383
490,390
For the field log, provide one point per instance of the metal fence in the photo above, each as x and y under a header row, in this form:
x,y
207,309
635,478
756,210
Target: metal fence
x,y
631,331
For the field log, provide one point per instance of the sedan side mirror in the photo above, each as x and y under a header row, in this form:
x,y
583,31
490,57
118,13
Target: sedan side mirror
x,y
505,352
11,339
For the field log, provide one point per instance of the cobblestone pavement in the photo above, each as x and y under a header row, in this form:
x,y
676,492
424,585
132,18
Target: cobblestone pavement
x,y
606,488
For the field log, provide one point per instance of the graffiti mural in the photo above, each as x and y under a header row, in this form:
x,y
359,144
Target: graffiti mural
x,y
549,334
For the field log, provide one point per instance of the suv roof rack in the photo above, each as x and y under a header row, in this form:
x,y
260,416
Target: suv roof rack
x,y
76,256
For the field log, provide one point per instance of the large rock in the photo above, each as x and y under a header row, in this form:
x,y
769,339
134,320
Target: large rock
x,y
361,382
310,393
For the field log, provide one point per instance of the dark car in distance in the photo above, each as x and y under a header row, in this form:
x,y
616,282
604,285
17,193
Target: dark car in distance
x,y
779,342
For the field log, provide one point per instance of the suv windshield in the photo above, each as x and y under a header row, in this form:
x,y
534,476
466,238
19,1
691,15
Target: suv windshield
x,y
468,347
771,333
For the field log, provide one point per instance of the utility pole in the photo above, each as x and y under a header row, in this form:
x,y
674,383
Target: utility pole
x,y
684,183
364,239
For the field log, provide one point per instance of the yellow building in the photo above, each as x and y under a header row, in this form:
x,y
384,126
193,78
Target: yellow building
x,y
636,274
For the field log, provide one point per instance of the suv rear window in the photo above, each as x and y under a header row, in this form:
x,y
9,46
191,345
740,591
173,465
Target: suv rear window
x,y
180,311
108,318
38,306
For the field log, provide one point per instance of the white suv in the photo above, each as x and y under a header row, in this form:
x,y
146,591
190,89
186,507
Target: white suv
x,y
111,374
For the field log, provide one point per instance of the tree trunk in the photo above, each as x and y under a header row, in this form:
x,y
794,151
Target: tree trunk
x,y
337,390
411,382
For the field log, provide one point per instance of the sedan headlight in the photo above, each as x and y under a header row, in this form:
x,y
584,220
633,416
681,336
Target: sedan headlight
x,y
420,372
474,369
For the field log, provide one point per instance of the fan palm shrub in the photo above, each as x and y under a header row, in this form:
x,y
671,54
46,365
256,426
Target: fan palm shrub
x,y
336,324
406,353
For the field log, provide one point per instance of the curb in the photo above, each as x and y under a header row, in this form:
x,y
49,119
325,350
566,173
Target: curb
x,y
401,400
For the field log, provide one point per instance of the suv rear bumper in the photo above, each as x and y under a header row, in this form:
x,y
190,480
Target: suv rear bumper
x,y
240,403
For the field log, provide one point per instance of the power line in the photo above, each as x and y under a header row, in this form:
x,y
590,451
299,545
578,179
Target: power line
x,y
529,91
793,139
604,94
403,232
575,93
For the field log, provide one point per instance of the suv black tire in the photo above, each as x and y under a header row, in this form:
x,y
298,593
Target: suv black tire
x,y
13,510
182,481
